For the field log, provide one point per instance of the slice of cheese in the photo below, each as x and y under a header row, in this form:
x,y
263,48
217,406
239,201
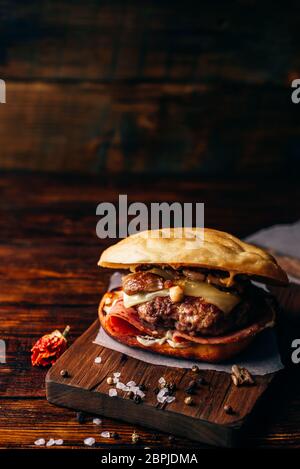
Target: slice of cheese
x,y
225,301
138,298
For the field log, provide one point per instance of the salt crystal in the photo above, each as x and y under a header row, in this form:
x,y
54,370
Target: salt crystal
x,y
170,399
140,393
162,392
105,435
98,360
120,385
162,395
162,399
40,442
115,380
51,442
97,421
131,383
162,381
89,441
117,374
59,442
134,389
112,392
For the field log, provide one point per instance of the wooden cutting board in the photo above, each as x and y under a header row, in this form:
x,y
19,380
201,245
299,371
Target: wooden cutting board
x,y
86,389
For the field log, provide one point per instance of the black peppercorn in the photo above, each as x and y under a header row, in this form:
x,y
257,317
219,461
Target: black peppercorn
x,y
135,438
137,399
124,357
64,373
190,390
156,391
188,401
143,387
192,384
191,387
228,409
81,417
171,387
115,435
201,380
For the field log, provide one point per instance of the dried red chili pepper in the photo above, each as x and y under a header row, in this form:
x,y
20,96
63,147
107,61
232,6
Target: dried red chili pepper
x,y
49,348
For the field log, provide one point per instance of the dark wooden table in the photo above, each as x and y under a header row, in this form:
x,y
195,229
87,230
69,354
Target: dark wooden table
x,y
49,278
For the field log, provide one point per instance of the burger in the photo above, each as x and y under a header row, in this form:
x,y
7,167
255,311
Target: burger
x,y
189,293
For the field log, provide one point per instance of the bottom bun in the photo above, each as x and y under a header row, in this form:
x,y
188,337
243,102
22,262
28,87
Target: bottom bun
x,y
212,350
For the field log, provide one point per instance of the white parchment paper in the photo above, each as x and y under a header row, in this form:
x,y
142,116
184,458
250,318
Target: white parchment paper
x,y
261,358
284,239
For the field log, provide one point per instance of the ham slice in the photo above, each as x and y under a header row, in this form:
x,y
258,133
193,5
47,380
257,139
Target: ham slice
x,y
235,336
125,321
129,315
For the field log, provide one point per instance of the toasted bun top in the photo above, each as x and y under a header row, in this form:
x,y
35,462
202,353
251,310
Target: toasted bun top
x,y
195,247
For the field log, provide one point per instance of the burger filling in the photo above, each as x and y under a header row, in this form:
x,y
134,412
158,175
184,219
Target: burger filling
x,y
195,301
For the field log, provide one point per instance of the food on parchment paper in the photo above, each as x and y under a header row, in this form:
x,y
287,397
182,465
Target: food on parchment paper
x,y
190,298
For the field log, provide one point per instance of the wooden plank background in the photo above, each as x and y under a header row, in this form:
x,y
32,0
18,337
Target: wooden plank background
x,y
151,87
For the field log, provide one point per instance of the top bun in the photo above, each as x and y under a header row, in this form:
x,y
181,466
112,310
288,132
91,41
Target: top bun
x,y
197,247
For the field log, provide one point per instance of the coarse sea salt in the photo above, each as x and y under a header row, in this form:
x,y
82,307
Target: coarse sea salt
x,y
120,385
112,392
117,374
134,389
40,442
105,435
162,399
59,442
130,384
162,392
89,441
162,395
97,421
140,393
162,381
98,360
51,442
170,399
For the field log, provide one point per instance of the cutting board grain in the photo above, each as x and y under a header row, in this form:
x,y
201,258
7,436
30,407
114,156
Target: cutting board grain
x,y
86,389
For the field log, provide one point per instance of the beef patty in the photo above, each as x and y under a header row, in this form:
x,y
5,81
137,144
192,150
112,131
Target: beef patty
x,y
193,315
